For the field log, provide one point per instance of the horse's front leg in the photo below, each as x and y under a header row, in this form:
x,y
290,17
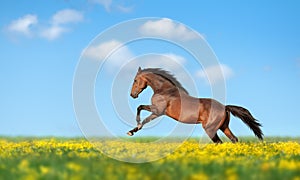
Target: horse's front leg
x,y
138,118
140,125
138,113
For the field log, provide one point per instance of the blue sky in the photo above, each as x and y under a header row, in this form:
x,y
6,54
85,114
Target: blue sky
x,y
257,44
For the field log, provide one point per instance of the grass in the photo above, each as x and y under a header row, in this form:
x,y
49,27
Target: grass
x,y
76,158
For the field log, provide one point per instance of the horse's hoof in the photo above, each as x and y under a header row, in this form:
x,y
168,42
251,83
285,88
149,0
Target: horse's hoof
x,y
130,133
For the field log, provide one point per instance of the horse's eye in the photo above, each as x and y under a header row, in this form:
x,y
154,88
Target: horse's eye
x,y
135,80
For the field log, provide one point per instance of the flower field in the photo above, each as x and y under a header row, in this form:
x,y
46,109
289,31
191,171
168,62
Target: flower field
x,y
54,158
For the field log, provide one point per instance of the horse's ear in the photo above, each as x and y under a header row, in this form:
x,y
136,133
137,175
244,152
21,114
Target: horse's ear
x,y
139,70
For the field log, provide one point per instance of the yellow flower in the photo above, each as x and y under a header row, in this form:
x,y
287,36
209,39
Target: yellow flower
x,y
74,166
44,169
199,176
290,165
23,165
231,174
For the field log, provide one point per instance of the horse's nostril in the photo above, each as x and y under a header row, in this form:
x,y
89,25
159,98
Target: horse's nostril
x,y
133,95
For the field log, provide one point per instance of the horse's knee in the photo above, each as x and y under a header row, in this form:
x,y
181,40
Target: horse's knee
x,y
139,108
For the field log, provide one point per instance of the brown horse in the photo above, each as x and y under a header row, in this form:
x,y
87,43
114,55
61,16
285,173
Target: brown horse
x,y
171,99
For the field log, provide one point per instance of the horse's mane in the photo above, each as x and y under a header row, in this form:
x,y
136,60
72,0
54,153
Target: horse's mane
x,y
166,75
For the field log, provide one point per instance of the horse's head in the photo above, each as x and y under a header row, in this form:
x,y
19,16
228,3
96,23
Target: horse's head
x,y
139,84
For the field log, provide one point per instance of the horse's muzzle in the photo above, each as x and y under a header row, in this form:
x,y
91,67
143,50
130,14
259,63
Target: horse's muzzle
x,y
135,95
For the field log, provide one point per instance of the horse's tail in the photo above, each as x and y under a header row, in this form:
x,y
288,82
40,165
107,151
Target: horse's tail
x,y
247,118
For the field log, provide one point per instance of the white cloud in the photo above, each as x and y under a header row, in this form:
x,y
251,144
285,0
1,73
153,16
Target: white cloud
x,y
117,55
170,61
112,51
58,24
105,3
53,32
125,9
101,51
216,73
67,16
23,25
111,5
166,28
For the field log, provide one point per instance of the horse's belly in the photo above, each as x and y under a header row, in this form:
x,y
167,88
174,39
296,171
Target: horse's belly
x,y
189,116
185,114
189,121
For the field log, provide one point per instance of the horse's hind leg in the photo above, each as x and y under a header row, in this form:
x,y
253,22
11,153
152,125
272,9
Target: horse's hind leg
x,y
229,134
227,131
212,135
216,139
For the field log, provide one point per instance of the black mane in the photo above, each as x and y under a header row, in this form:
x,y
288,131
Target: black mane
x,y
166,75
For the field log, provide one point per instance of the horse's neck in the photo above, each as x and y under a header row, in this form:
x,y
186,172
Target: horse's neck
x,y
159,84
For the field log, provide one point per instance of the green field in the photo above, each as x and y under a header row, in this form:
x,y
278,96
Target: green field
x,y
62,158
